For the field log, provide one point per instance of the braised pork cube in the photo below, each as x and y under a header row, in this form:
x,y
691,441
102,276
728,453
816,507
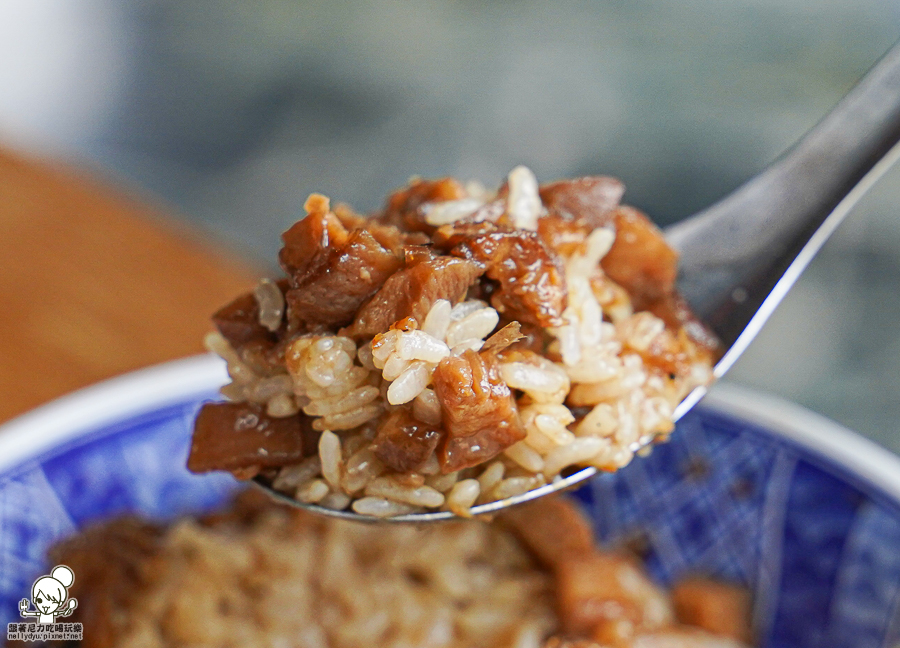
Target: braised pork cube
x,y
640,260
239,324
406,207
332,270
588,200
413,291
721,608
390,237
404,443
596,588
241,438
552,528
532,284
479,413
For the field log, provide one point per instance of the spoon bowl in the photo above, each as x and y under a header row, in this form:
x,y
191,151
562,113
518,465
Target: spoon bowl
x,y
740,256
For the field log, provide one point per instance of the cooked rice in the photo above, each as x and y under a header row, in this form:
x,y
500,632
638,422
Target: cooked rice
x,y
294,583
593,363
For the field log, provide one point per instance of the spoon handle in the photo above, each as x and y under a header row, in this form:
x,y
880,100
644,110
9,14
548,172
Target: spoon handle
x,y
740,256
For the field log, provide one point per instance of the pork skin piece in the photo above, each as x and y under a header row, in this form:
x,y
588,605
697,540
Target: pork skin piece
x,y
479,413
404,207
413,291
404,443
596,588
532,281
331,270
240,436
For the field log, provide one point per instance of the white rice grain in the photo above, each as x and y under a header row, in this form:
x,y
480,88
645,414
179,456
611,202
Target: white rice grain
x,y
282,406
523,203
427,408
271,304
359,469
423,496
512,486
410,383
330,454
312,491
419,345
335,501
381,508
475,326
580,451
463,496
443,483
349,401
438,319
491,476
290,477
525,456
449,211
348,420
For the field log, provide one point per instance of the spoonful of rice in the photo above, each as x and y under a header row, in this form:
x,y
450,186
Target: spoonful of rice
x,y
465,349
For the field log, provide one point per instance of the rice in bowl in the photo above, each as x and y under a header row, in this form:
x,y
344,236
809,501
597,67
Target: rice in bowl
x,y
266,575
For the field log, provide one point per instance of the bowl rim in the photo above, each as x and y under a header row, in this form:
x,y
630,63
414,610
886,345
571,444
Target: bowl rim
x,y
66,419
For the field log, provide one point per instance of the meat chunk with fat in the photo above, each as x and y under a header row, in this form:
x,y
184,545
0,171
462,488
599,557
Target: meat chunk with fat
x,y
640,260
240,436
721,608
531,278
596,588
390,237
404,443
413,291
404,208
479,413
552,528
331,270
238,322
587,200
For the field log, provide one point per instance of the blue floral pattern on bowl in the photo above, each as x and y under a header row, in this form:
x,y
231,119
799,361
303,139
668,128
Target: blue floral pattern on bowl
x,y
818,545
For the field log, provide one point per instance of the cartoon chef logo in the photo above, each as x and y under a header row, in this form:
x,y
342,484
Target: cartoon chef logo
x,y
50,596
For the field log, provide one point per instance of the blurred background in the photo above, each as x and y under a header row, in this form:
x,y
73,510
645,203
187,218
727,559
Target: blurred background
x,y
229,113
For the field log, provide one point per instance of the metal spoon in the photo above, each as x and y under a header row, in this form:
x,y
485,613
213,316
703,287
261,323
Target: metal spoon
x,y
740,256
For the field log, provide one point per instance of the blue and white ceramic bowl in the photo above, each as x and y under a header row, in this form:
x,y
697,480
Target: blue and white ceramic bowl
x,y
750,488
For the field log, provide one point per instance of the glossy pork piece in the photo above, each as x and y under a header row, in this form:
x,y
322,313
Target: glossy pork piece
x,y
331,270
532,285
413,291
479,412
242,437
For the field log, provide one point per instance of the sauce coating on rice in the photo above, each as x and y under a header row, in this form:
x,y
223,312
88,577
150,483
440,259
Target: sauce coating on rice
x,y
458,347
262,574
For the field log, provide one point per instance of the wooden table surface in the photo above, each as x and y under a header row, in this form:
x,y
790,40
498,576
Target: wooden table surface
x,y
94,284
